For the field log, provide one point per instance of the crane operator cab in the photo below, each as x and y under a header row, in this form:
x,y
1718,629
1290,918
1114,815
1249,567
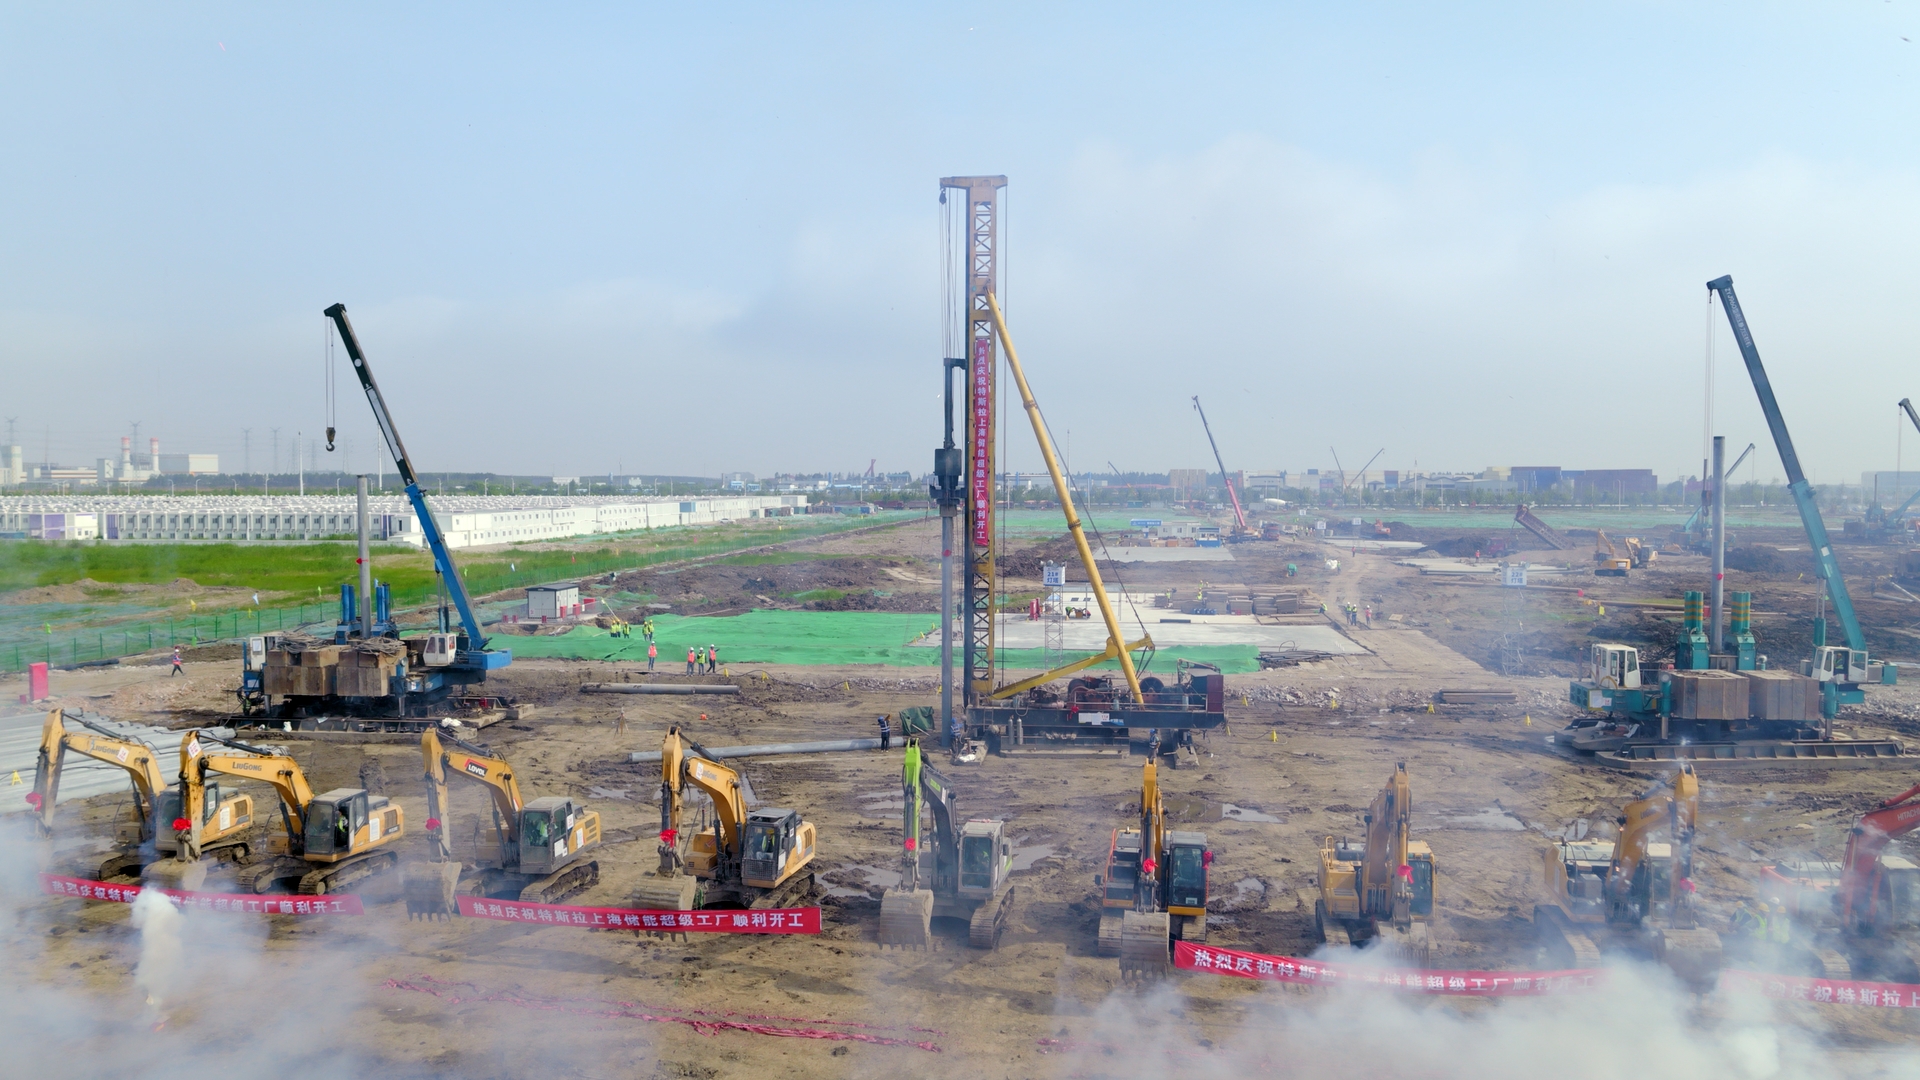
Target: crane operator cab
x,y
775,845
347,821
552,831
986,857
1616,667
1834,663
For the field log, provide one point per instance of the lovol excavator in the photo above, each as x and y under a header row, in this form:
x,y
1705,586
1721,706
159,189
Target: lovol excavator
x,y
1383,889
971,862
537,846
333,840
1155,886
749,859
221,828
1634,896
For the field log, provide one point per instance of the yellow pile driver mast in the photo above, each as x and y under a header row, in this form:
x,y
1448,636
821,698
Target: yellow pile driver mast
x,y
1093,706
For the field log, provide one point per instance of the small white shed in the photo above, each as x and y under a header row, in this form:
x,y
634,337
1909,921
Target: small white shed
x,y
553,601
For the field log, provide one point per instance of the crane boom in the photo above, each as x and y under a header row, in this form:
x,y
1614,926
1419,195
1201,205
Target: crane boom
x,y
442,559
1239,516
1825,564
1907,404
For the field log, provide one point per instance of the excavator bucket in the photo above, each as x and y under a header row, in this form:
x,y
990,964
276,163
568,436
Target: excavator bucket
x,y
429,890
906,918
1145,951
181,874
1694,956
665,894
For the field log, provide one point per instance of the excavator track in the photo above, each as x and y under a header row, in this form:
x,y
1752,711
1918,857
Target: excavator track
x,y
1109,943
990,921
906,919
1567,945
1145,950
568,881
783,895
347,873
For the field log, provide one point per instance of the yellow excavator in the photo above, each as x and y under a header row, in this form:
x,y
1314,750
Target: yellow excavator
x,y
221,829
536,849
1381,890
750,859
333,840
1635,895
1154,889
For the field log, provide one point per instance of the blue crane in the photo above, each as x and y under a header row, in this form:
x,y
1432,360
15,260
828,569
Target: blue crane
x,y
1840,676
472,652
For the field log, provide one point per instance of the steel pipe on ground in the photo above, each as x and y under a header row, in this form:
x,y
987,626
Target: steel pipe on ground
x,y
719,753
658,688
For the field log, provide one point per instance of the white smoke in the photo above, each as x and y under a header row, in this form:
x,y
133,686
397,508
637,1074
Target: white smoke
x,y
162,967
1641,1024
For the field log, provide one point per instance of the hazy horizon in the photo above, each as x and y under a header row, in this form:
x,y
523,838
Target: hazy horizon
x,y
664,241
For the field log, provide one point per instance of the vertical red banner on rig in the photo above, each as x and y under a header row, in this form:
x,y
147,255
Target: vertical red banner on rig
x,y
982,443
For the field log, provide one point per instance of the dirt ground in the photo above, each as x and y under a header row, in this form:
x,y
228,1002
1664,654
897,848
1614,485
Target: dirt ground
x,y
1306,747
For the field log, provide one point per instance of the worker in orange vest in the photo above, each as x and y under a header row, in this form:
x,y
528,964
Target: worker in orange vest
x,y
692,659
653,651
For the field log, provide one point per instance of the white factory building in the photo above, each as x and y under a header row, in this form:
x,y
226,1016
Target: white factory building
x,y
465,520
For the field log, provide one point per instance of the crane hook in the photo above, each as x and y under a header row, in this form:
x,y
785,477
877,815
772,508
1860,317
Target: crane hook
x,y
329,440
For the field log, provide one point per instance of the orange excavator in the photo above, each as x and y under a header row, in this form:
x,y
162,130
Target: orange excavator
x,y
1878,901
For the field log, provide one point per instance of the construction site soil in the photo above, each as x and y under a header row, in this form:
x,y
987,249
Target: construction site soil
x,y
1305,748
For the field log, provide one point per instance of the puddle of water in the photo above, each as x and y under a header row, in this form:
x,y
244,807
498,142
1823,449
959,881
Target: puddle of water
x,y
1025,857
1230,812
1490,818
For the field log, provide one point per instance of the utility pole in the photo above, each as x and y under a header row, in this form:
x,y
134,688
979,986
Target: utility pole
x,y
276,459
300,463
246,450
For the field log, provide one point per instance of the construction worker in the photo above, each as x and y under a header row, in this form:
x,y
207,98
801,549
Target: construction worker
x,y
1779,929
1743,921
693,653
886,733
713,659
653,653
1369,616
176,662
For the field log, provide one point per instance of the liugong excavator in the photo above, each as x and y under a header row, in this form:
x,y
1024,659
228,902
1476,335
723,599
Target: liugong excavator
x,y
220,829
333,840
537,848
756,858
1383,890
1154,889
971,861
1634,896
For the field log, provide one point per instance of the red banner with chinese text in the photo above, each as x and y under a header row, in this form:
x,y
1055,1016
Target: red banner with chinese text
x,y
1869,995
775,921
1246,965
245,903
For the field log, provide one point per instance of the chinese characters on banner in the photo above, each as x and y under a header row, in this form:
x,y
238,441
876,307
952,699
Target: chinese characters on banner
x,y
245,903
777,921
982,471
1190,957
1823,991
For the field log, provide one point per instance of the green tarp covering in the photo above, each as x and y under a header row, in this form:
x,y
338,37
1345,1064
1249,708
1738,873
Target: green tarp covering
x,y
811,638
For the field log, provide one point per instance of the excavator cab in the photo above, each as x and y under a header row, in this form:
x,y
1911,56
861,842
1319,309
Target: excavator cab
x,y
222,814
345,821
1187,863
775,843
986,856
1420,862
552,831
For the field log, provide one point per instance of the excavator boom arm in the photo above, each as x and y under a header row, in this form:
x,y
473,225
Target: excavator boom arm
x,y
137,758
1876,829
279,771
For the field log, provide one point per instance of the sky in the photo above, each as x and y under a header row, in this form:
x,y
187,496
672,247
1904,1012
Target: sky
x,y
682,239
